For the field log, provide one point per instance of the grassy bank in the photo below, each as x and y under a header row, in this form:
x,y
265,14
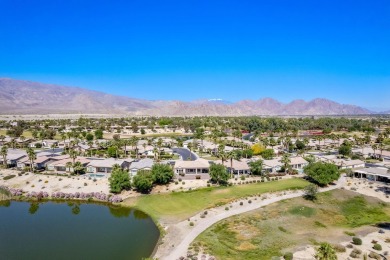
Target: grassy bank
x,y
181,205
282,226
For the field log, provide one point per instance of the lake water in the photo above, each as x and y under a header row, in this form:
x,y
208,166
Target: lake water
x,y
53,230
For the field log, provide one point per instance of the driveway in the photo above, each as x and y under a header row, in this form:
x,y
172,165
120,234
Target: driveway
x,y
185,153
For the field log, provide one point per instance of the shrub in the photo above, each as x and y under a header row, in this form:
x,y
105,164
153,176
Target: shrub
x,y
377,247
242,178
288,256
375,256
241,203
8,177
249,201
226,208
191,224
357,241
351,234
85,184
339,248
282,229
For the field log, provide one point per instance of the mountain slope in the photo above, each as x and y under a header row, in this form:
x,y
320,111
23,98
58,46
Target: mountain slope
x,y
26,97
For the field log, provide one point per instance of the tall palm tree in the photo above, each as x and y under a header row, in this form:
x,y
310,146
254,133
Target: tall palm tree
x,y
31,157
2,137
73,154
133,142
221,153
286,161
68,165
4,153
233,155
189,146
22,138
374,147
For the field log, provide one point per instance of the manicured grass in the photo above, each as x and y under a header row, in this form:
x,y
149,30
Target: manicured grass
x,y
181,205
282,226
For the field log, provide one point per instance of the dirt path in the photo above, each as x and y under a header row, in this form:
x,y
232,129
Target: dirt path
x,y
179,236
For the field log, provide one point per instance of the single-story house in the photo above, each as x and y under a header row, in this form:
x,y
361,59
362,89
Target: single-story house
x,y
60,166
192,167
239,167
374,174
298,163
106,165
143,164
349,164
13,156
272,166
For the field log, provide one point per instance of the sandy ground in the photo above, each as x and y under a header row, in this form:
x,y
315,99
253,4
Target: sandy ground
x,y
50,183
366,247
29,182
180,235
375,189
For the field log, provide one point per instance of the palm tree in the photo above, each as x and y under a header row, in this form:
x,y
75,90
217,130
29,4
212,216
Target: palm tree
x,y
22,138
78,167
233,155
73,154
189,146
325,252
133,142
13,143
4,153
31,157
286,161
68,165
2,137
221,153
374,147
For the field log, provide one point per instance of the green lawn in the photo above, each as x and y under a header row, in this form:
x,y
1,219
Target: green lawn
x,y
285,225
181,205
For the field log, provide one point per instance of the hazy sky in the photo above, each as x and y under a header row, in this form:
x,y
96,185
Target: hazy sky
x,y
203,49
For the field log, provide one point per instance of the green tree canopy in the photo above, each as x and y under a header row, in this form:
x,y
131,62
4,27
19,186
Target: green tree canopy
x,y
345,149
256,167
99,134
143,181
218,173
119,181
162,173
322,173
268,154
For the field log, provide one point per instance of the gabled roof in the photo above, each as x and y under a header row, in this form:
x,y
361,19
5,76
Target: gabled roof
x,y
141,164
198,163
106,163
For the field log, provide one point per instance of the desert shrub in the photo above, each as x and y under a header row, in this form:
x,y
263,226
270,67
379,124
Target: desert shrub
x,y
282,229
8,177
377,247
375,256
351,234
288,256
241,203
357,241
191,224
339,248
226,208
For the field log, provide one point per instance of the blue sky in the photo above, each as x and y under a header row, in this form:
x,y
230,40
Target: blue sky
x,y
203,49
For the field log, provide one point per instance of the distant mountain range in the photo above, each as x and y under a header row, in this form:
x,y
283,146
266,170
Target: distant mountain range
x,y
26,97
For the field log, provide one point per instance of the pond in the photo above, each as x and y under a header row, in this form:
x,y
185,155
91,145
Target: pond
x,y
52,230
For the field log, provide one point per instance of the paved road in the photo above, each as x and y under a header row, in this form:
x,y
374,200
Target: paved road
x,y
185,153
203,224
